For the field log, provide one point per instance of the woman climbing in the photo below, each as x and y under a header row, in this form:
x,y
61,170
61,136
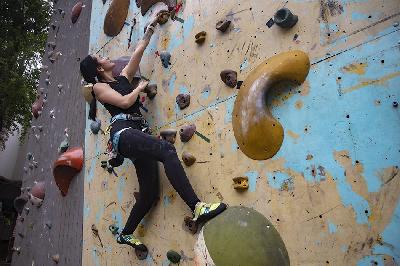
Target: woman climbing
x,y
130,139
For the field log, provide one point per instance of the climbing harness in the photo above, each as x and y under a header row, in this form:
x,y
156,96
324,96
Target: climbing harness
x,y
115,159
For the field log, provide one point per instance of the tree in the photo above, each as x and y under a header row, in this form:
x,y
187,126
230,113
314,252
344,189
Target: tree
x,y
24,28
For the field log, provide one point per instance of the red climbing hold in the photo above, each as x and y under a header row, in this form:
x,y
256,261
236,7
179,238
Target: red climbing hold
x,y
37,107
68,165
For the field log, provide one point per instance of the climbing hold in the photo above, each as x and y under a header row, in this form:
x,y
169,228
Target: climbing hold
x,y
258,134
285,18
113,229
37,107
395,104
183,100
151,91
229,77
241,183
188,158
51,45
63,146
87,92
163,17
145,5
16,249
200,37
49,224
37,194
186,132
173,256
95,126
66,167
19,203
191,226
141,254
55,258
115,17
240,236
76,11
168,135
223,25
29,156
165,58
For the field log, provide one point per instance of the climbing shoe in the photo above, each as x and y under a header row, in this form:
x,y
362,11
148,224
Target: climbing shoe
x,y
132,241
206,211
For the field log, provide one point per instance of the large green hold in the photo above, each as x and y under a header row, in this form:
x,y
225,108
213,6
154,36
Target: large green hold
x,y
241,236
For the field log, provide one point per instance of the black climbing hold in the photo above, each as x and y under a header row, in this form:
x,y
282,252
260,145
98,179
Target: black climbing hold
x,y
239,84
395,104
114,229
270,23
173,256
285,18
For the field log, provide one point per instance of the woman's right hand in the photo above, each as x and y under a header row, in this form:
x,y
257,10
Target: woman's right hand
x,y
142,85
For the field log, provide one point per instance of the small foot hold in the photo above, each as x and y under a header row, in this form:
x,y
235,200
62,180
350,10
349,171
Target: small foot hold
x,y
113,229
200,37
223,25
183,100
169,135
187,132
190,224
229,77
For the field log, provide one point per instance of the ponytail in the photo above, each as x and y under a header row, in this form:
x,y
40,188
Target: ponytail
x,y
93,108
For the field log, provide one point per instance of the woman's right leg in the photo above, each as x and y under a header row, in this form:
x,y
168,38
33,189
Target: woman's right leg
x,y
135,143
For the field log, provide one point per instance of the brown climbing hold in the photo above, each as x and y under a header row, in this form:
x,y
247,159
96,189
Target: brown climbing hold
x,y
258,134
145,5
240,183
37,194
188,158
55,258
151,91
76,11
163,17
183,100
223,25
187,132
66,167
229,77
190,224
115,17
200,37
37,107
169,135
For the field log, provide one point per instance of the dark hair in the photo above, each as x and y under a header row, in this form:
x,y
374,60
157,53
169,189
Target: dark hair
x,y
88,68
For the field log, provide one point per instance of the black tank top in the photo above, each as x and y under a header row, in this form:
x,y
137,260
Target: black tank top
x,y
124,87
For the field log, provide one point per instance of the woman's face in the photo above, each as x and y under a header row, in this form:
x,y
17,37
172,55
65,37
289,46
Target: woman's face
x,y
104,62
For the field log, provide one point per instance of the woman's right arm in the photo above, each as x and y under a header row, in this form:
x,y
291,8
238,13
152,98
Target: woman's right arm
x,y
105,94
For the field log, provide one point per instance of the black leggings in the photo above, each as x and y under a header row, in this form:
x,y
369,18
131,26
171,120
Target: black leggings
x,y
145,150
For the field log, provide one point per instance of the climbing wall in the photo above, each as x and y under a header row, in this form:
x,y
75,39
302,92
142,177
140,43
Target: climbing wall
x,y
332,190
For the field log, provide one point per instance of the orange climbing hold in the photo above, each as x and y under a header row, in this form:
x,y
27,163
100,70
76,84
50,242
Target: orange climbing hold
x,y
68,165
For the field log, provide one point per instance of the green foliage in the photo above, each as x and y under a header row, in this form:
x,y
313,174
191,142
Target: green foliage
x,y
23,25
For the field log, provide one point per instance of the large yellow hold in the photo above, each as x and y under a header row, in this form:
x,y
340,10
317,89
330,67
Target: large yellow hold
x,y
258,134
